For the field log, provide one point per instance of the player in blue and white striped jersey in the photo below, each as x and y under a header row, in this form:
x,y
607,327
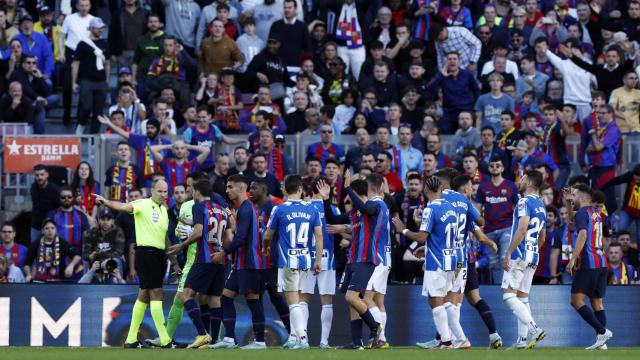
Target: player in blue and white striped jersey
x,y
296,222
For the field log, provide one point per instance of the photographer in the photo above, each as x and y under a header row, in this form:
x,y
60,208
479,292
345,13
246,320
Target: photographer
x,y
106,272
104,242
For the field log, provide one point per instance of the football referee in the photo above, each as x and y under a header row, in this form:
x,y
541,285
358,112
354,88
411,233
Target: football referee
x,y
151,223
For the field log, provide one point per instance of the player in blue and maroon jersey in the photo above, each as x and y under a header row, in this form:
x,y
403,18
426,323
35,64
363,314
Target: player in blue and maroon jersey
x,y
205,277
498,198
71,224
553,143
354,221
177,168
589,264
261,199
15,253
246,277
373,241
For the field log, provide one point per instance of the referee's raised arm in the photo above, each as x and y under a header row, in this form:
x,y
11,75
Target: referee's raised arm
x,y
114,205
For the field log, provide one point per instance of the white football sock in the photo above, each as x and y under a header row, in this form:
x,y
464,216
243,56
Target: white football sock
x,y
532,326
453,317
297,321
326,318
305,313
441,322
519,309
377,316
383,321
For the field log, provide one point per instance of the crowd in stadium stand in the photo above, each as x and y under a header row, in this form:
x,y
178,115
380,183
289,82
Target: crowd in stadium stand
x,y
507,81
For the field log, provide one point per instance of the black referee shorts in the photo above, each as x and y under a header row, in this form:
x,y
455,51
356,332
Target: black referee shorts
x,y
151,264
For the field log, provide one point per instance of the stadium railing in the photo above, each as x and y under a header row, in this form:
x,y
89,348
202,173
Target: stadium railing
x,y
99,151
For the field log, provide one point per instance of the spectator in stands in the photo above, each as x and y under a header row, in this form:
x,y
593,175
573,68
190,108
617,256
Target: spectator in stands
x,y
619,272
337,82
293,33
332,172
260,171
489,107
148,47
489,148
84,186
162,113
363,146
629,252
249,43
104,242
303,84
9,272
313,122
345,111
384,84
509,136
295,118
240,161
278,162
44,198
91,67
383,167
630,211
326,148
531,78
17,108
405,157
609,75
71,222
13,252
36,44
220,173
127,24
553,143
132,108
206,134
123,176
50,257
7,30
219,51
171,68
178,166
429,164
434,145
228,103
265,15
459,91
471,167
74,28
182,18
222,10
456,40
349,32
466,136
268,67
498,198
376,54
602,147
625,101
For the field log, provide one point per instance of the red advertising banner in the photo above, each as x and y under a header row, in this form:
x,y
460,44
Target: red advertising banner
x,y
21,154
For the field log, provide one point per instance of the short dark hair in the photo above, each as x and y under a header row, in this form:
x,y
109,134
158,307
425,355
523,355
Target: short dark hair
x,y
578,179
583,188
360,187
9,223
375,181
39,167
203,186
432,184
460,181
598,197
316,181
328,110
237,178
447,174
534,178
332,160
222,6
414,176
509,113
117,112
386,154
496,158
618,233
292,183
488,127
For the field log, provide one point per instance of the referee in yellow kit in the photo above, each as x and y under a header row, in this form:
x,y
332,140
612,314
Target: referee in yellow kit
x,y
151,223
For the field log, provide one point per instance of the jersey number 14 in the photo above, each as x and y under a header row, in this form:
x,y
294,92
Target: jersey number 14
x,y
298,236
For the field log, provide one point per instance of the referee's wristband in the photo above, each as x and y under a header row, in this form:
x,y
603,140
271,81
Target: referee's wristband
x,y
405,231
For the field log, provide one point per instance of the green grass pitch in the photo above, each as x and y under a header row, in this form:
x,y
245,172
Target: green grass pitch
x,y
55,353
